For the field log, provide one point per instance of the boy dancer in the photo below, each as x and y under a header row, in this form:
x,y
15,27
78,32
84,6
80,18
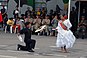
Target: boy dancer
x,y
30,43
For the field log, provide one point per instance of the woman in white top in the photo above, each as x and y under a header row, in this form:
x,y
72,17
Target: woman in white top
x,y
65,38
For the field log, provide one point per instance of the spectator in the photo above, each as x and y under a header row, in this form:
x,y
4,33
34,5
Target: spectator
x,y
46,22
51,14
16,12
54,23
1,19
39,12
5,19
3,11
10,24
29,19
83,24
28,12
73,20
36,23
58,9
43,13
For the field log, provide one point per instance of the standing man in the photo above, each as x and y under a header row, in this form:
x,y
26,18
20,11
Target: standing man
x,y
30,43
1,20
3,11
16,12
58,9
28,12
73,20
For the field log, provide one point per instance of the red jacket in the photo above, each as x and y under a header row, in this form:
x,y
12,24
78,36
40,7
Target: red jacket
x,y
1,17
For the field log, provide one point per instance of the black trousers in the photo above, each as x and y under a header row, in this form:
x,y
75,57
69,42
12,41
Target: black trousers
x,y
1,23
8,28
30,44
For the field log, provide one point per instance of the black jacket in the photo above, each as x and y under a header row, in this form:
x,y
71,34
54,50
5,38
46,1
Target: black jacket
x,y
27,33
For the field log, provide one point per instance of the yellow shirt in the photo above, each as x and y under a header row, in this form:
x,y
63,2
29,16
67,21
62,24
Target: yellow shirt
x,y
38,13
10,22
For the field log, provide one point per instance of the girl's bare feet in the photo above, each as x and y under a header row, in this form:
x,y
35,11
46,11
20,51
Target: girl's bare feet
x,y
65,50
62,49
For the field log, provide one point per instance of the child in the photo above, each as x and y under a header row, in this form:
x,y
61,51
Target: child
x,y
30,43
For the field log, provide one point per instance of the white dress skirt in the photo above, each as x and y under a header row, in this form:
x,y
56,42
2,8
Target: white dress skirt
x,y
65,37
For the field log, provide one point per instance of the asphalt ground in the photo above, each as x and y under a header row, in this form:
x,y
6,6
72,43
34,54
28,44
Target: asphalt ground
x,y
45,47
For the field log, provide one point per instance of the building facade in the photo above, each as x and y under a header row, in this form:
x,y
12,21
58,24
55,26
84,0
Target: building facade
x,y
38,3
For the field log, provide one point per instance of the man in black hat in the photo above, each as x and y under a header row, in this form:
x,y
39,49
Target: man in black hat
x,y
30,43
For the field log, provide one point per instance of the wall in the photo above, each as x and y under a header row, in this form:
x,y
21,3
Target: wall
x,y
11,7
50,5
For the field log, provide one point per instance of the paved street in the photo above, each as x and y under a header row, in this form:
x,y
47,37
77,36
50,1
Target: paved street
x,y
45,48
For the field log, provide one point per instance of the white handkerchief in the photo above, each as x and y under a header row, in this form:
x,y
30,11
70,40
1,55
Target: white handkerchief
x,y
20,38
42,27
38,30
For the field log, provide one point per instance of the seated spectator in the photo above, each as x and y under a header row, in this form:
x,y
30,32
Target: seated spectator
x,y
10,24
46,22
82,27
38,12
54,23
21,23
83,24
36,23
29,19
16,27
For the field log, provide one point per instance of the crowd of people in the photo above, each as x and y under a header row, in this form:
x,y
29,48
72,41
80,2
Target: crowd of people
x,y
36,18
